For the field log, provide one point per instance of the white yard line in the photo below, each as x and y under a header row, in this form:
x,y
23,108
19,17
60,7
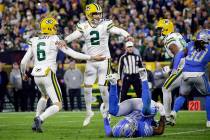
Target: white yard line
x,y
187,132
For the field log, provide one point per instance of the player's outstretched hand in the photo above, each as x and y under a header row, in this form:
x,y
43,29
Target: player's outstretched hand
x,y
129,38
25,77
61,44
98,57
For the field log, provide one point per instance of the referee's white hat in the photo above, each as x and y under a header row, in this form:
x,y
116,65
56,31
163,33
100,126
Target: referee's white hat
x,y
129,44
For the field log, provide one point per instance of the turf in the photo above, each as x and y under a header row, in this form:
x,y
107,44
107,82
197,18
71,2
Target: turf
x,y
68,126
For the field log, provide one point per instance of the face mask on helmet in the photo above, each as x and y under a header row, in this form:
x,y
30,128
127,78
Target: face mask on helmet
x,y
96,18
200,45
124,128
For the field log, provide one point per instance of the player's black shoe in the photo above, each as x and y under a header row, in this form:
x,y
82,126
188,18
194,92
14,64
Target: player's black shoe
x,y
34,126
38,124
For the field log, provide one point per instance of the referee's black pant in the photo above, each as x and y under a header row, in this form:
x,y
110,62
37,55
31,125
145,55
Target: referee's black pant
x,y
128,80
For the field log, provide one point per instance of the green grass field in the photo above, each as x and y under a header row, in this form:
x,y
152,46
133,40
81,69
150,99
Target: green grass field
x,y
68,126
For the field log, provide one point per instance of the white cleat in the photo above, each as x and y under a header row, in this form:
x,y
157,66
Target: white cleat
x,y
112,78
105,113
208,124
143,73
88,117
173,118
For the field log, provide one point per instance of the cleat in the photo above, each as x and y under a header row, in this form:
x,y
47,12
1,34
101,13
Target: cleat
x,y
171,120
105,112
208,124
173,117
112,78
34,126
143,73
88,117
38,123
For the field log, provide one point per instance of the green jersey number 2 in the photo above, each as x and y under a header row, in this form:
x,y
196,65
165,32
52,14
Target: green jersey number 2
x,y
40,52
94,38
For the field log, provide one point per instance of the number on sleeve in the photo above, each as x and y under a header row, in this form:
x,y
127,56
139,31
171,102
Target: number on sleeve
x,y
40,52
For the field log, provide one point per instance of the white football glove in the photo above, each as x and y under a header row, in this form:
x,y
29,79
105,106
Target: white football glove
x,y
166,69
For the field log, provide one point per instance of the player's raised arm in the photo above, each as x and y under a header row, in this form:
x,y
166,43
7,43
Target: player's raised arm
x,y
77,55
119,31
75,35
24,62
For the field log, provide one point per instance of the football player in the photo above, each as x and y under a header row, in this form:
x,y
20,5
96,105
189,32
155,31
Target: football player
x,y
44,52
174,44
138,113
197,57
95,31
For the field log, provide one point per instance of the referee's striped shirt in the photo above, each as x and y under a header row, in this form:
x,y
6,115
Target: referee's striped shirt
x,y
129,63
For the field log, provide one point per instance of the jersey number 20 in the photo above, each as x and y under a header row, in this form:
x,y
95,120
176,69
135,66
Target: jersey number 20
x,y
40,52
94,38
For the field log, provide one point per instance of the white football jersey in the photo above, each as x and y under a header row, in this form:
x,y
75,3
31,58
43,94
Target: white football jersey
x,y
96,38
174,38
45,51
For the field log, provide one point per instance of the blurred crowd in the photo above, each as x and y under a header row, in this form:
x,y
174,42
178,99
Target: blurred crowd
x,y
20,21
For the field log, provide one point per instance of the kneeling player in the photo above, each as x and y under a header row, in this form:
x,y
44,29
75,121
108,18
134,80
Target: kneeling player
x,y
139,112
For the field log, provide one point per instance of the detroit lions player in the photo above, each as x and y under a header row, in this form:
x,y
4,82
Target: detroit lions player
x,y
139,112
174,44
198,56
95,32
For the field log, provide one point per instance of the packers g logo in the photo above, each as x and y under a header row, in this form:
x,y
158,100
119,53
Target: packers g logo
x,y
166,21
49,21
87,8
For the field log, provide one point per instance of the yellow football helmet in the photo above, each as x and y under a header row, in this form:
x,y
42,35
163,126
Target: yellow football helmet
x,y
92,9
48,26
166,26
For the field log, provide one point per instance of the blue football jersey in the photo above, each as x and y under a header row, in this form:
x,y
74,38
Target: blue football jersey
x,y
143,123
196,61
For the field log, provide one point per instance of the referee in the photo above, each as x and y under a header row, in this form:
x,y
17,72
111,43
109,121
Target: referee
x,y
129,64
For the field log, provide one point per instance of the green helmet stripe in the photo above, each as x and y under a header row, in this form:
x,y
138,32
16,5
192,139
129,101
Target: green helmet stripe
x,y
96,6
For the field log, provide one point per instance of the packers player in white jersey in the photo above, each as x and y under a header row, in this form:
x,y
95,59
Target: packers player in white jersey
x,y
44,52
174,44
95,31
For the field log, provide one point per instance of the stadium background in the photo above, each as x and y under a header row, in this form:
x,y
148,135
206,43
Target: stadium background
x,y
20,20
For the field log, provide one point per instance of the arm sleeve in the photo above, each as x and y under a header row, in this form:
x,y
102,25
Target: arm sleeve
x,y
120,67
107,127
177,59
119,31
74,54
25,60
76,34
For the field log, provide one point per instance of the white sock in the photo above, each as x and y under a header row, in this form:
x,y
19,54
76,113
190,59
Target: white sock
x,y
88,98
105,96
41,105
167,101
49,112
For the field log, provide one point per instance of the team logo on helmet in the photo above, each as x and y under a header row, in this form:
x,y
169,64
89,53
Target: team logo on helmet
x,y
49,21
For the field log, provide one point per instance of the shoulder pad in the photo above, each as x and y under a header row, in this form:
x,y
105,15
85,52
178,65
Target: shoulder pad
x,y
79,26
